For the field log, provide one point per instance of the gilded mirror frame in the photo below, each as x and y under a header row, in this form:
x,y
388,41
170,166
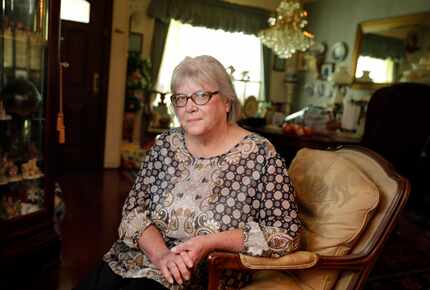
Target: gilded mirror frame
x,y
376,25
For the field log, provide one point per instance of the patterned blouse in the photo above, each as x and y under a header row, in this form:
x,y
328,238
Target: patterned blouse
x,y
184,196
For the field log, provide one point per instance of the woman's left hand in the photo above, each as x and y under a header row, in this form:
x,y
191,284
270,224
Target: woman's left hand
x,y
197,248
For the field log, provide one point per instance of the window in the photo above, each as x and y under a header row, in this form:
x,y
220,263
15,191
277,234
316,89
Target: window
x,y
381,70
242,51
74,10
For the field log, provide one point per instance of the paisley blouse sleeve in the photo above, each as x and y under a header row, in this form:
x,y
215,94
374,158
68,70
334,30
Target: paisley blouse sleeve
x,y
136,208
276,230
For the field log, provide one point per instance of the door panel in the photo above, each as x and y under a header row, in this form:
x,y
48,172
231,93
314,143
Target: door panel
x,y
85,47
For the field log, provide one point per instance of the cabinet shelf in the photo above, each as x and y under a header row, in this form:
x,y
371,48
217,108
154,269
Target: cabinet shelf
x,y
23,218
30,119
21,179
29,62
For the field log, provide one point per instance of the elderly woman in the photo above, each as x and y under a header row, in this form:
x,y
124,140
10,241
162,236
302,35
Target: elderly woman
x,y
208,185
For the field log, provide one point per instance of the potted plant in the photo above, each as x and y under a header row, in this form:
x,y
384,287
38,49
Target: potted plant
x,y
138,90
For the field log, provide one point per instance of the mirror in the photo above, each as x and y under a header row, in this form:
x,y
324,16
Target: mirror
x,y
392,50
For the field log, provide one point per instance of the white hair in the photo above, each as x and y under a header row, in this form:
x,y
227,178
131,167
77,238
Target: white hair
x,y
207,70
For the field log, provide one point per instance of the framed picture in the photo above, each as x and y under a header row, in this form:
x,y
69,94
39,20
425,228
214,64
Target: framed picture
x,y
323,89
327,70
278,63
135,42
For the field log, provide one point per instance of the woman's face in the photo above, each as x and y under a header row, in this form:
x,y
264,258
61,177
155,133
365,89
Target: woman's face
x,y
200,120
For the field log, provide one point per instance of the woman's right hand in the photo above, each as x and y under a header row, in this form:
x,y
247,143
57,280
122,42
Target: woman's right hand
x,y
174,267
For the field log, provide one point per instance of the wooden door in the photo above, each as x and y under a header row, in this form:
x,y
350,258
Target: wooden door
x,y
86,48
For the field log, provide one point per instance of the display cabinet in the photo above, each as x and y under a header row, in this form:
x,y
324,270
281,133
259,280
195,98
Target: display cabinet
x,y
29,65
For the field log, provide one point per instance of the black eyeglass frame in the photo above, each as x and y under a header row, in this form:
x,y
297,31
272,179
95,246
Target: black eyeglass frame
x,y
193,97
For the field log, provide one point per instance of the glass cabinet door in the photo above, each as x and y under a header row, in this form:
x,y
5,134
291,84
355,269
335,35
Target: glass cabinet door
x,y
23,93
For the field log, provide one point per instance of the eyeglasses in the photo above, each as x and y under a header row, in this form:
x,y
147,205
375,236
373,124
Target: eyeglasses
x,y
199,98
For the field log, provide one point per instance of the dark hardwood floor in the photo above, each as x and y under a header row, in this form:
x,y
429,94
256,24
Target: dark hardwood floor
x,y
93,211
93,208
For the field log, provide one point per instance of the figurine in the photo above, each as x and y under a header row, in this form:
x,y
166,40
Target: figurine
x,y
3,115
3,170
230,70
30,169
35,195
12,171
161,116
12,208
27,208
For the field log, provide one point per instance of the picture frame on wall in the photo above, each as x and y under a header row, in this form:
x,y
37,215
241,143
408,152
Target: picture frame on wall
x,y
135,42
279,64
327,70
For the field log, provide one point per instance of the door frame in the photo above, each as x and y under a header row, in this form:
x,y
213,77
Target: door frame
x,y
104,79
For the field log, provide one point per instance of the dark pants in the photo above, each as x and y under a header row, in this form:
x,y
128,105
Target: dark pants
x,y
103,278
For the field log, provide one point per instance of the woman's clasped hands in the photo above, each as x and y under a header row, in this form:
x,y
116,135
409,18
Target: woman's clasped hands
x,y
175,266
178,263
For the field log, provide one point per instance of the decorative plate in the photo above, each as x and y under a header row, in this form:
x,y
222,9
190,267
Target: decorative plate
x,y
250,107
339,51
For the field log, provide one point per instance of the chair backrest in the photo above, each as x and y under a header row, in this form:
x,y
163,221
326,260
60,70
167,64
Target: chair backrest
x,y
398,124
394,192
350,201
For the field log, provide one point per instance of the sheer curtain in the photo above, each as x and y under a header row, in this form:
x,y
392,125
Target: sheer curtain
x,y
242,51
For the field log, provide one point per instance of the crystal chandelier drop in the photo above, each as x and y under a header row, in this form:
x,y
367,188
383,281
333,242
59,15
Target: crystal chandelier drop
x,y
285,34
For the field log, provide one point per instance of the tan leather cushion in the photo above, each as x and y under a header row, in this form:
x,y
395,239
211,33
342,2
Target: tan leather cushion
x,y
296,260
272,280
336,201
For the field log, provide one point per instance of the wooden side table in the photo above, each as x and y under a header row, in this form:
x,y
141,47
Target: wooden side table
x,y
288,145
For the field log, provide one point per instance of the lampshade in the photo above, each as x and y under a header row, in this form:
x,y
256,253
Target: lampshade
x,y
75,10
285,34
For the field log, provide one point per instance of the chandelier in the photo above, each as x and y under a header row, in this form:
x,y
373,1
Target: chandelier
x,y
285,34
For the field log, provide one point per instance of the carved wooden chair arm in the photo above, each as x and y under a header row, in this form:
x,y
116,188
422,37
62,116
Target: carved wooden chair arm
x,y
298,260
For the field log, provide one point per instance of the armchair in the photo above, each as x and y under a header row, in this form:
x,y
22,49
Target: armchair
x,y
350,200
396,128
393,117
